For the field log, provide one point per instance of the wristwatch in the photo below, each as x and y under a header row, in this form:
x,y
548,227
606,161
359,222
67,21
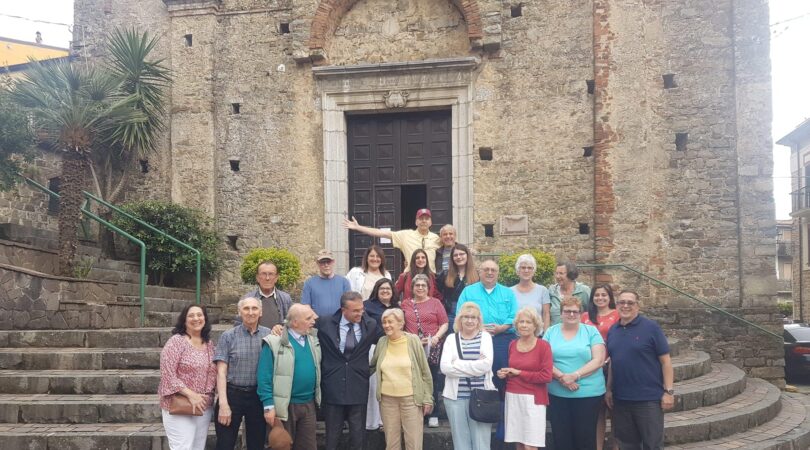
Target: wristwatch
x,y
669,391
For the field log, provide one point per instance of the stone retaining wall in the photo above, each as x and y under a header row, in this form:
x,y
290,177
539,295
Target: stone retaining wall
x,y
728,340
32,300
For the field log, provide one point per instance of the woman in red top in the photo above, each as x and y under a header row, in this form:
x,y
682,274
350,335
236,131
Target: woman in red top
x,y
418,264
603,308
425,317
527,376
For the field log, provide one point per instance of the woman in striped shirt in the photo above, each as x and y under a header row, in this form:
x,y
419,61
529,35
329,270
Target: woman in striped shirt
x,y
464,372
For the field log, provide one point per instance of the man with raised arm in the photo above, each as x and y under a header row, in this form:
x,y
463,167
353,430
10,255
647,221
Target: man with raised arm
x,y
407,241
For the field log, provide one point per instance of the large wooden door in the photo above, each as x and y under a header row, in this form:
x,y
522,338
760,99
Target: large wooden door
x,y
398,163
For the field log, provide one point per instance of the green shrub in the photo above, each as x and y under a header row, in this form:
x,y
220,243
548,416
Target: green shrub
x,y
289,268
164,257
785,308
543,275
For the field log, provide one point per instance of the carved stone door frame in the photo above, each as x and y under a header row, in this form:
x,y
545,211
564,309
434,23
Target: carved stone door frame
x,y
394,87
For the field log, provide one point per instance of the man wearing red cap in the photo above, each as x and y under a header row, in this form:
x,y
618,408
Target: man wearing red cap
x,y
407,241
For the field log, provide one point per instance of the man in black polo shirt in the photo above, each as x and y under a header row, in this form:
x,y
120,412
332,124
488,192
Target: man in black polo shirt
x,y
237,357
640,379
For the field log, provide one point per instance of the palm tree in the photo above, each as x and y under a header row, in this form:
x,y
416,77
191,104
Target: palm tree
x,y
85,113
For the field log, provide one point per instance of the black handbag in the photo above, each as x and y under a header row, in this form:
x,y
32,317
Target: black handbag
x,y
485,406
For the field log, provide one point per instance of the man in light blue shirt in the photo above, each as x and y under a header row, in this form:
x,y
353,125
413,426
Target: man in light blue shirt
x,y
498,309
322,291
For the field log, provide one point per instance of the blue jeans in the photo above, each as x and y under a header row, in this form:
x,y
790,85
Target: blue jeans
x,y
467,434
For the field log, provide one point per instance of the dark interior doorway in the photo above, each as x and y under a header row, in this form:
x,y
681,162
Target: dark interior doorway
x,y
397,164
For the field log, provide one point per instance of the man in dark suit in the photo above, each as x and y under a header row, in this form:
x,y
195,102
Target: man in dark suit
x,y
346,338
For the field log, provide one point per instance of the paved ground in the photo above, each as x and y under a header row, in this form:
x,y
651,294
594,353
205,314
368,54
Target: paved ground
x,y
802,385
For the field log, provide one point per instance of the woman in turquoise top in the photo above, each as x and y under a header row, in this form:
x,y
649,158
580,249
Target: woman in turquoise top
x,y
578,387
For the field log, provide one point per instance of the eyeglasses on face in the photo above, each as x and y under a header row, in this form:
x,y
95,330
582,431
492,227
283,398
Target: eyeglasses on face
x,y
489,269
571,312
469,318
627,303
420,285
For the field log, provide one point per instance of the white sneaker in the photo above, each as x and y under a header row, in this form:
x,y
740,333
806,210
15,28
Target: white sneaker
x,y
433,422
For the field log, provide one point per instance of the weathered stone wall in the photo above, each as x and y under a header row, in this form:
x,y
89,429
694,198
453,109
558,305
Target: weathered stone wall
x,y
700,218
27,206
34,301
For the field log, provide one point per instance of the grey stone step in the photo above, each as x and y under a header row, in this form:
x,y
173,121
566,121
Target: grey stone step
x,y
120,337
157,304
118,276
167,319
675,347
723,382
133,290
74,409
756,405
48,358
114,381
107,436
789,430
688,365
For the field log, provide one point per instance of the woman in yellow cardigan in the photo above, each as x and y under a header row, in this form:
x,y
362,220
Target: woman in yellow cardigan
x,y
404,384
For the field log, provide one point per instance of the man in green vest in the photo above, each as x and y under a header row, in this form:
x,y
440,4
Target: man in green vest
x,y
289,376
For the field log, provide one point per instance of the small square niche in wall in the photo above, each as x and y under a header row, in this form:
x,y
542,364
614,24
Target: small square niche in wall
x,y
236,108
669,81
489,230
284,28
516,10
681,139
189,40
485,153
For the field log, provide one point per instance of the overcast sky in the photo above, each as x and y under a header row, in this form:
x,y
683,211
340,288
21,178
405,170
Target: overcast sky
x,y
790,37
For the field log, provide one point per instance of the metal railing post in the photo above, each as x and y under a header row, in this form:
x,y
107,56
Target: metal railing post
x,y
142,284
162,233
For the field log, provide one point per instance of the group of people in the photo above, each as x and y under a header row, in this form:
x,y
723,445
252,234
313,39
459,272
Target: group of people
x,y
373,352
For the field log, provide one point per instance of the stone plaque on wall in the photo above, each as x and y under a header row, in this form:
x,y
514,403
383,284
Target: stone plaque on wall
x,y
516,225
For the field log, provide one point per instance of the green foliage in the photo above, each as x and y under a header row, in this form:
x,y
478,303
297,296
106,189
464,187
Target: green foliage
x,y
543,275
83,268
16,141
785,308
186,224
289,268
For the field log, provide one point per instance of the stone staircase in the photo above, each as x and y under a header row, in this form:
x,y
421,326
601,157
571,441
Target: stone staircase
x,y
95,389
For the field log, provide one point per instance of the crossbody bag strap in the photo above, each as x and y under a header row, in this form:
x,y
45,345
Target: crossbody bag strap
x,y
461,356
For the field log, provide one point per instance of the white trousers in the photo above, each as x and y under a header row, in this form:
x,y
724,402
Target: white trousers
x,y
187,432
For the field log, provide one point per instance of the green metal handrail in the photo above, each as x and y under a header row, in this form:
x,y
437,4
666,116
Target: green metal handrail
x,y
138,242
687,295
152,228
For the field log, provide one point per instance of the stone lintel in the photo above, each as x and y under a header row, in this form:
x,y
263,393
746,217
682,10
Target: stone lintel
x,y
193,6
458,64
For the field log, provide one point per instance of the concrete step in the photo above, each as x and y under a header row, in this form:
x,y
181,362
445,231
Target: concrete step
x,y
112,381
723,382
157,304
73,409
49,358
756,405
89,338
789,430
691,364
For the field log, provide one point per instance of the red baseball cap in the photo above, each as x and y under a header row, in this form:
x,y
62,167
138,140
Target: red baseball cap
x,y
423,212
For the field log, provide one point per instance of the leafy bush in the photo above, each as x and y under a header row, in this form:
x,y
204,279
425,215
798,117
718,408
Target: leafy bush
x,y
164,257
543,275
289,268
785,308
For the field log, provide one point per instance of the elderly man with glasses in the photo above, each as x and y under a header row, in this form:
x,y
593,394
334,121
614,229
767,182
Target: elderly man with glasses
x,y
275,302
640,377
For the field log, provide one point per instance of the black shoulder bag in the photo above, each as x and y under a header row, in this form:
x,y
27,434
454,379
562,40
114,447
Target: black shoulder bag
x,y
485,406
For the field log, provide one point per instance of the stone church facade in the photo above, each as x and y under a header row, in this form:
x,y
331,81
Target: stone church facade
x,y
629,132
